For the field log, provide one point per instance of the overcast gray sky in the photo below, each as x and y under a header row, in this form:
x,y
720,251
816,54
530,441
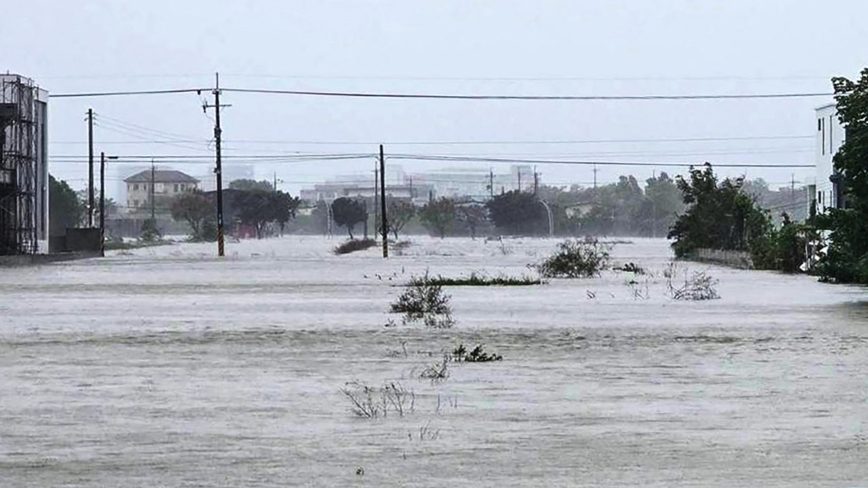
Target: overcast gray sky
x,y
539,47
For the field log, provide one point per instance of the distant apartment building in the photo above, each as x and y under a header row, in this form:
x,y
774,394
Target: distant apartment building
x,y
461,183
163,185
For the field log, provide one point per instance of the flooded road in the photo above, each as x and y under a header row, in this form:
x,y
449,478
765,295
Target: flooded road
x,y
167,367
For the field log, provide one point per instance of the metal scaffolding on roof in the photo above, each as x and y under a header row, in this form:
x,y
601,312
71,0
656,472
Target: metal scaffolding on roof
x,y
19,185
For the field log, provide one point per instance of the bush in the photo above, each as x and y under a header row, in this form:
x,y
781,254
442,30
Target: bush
x,y
437,371
631,268
696,286
479,279
354,245
371,402
423,300
576,259
477,355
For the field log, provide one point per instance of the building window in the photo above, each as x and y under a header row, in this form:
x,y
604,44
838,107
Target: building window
x,y
831,125
176,188
822,136
135,203
135,187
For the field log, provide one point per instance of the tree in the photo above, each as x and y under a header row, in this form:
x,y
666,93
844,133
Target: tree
x,y
348,213
660,206
251,185
472,215
195,208
65,208
846,259
438,215
284,207
255,208
517,213
720,215
400,213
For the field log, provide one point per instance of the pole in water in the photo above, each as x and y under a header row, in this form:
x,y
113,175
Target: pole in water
x,y
90,203
102,204
218,169
385,221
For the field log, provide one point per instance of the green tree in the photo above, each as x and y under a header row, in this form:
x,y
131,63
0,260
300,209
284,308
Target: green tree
x,y
348,212
438,215
283,208
66,210
660,206
517,213
846,260
255,208
251,185
195,208
719,215
472,216
400,213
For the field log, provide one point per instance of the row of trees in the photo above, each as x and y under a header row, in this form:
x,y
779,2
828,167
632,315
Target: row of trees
x,y
257,207
621,208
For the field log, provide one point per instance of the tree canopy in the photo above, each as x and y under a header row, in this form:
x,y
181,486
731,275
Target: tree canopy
x,y
348,213
517,213
438,215
66,210
196,209
250,185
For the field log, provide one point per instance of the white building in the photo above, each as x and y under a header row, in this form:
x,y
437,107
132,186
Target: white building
x,y
163,185
829,138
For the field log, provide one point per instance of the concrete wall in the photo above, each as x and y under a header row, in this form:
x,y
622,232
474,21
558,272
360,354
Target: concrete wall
x,y
735,259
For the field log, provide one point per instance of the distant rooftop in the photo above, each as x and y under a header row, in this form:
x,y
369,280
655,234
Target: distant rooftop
x,y
161,176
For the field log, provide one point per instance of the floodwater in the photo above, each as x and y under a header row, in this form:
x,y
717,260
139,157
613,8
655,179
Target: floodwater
x,y
169,367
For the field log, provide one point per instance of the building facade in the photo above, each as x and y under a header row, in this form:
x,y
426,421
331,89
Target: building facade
x,y
160,184
24,224
828,139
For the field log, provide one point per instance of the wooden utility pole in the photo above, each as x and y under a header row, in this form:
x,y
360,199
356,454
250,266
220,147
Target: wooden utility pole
x,y
153,194
90,203
491,183
535,181
218,170
376,194
102,204
385,228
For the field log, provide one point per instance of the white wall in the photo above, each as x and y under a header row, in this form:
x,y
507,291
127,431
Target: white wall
x,y
828,139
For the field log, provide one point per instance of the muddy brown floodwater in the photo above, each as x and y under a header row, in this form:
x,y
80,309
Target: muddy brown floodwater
x,y
167,367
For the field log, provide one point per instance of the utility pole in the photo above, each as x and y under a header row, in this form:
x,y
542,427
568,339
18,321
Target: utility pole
x,y
595,179
519,179
102,158
90,206
376,194
102,204
491,182
218,170
274,185
153,194
535,181
385,228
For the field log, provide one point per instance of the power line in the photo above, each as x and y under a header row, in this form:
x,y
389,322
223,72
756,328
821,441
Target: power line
x,y
448,96
420,157
126,93
463,143
525,97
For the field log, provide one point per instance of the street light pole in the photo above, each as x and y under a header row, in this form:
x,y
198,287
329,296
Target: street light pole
x,y
102,158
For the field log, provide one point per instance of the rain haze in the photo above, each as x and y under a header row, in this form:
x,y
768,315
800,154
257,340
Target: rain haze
x,y
517,318
475,47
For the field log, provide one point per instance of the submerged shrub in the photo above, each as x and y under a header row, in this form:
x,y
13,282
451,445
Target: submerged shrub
x,y
476,355
372,402
697,286
425,301
354,245
576,259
